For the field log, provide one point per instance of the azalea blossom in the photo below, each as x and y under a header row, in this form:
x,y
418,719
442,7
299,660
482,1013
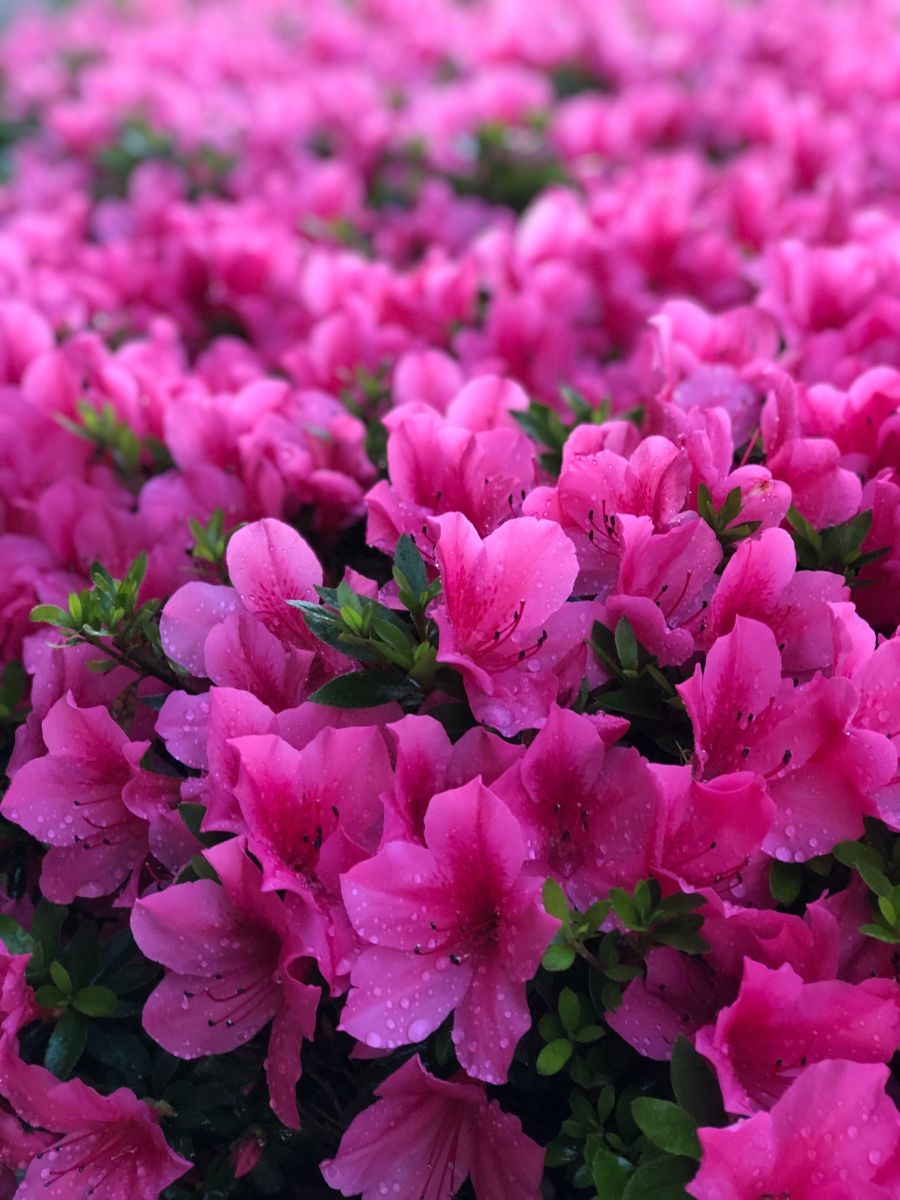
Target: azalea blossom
x,y
425,1135
452,926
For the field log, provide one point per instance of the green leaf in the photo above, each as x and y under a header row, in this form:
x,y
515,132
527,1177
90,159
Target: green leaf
x,y
785,881
95,1001
49,996
569,1009
685,940
705,505
730,508
606,1102
550,1027
363,689
66,1045
409,563
610,1174
554,1057
396,644
192,815
803,529
626,645
625,908
589,1033
597,914
695,1085
661,1179
881,933
61,977
49,614
875,880
851,854
555,901
14,937
124,1052
667,1126
46,925
204,869
558,957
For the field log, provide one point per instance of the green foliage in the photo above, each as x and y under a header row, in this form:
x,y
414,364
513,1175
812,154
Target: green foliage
x,y
367,397
642,691
721,520
630,1126
134,458
667,1126
877,862
545,426
206,168
695,1085
509,166
837,548
110,618
398,652
211,542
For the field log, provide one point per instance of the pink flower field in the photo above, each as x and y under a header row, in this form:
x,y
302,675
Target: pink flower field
x,y
449,600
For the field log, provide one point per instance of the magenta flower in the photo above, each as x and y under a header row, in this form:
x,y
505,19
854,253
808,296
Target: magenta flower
x,y
105,1147
833,1135
822,773
591,816
311,814
425,1135
779,1024
233,964
294,801
437,467
456,926
90,801
677,997
269,564
498,594
426,763
664,584
712,829
761,581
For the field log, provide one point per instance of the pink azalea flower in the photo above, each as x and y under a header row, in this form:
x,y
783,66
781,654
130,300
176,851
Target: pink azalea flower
x,y
455,925
293,801
821,772
311,814
436,467
824,491
425,763
234,962
675,998
711,829
761,581
778,1024
424,1136
84,1144
498,594
679,995
664,584
833,1135
205,629
591,816
92,803
269,563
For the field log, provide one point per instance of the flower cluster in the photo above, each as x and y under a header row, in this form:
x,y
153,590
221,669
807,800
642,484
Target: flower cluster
x,y
450,546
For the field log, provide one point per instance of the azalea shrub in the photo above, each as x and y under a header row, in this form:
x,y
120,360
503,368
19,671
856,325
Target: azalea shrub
x,y
449,590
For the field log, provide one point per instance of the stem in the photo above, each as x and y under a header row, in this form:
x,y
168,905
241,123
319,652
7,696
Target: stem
x,y
582,950
144,667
